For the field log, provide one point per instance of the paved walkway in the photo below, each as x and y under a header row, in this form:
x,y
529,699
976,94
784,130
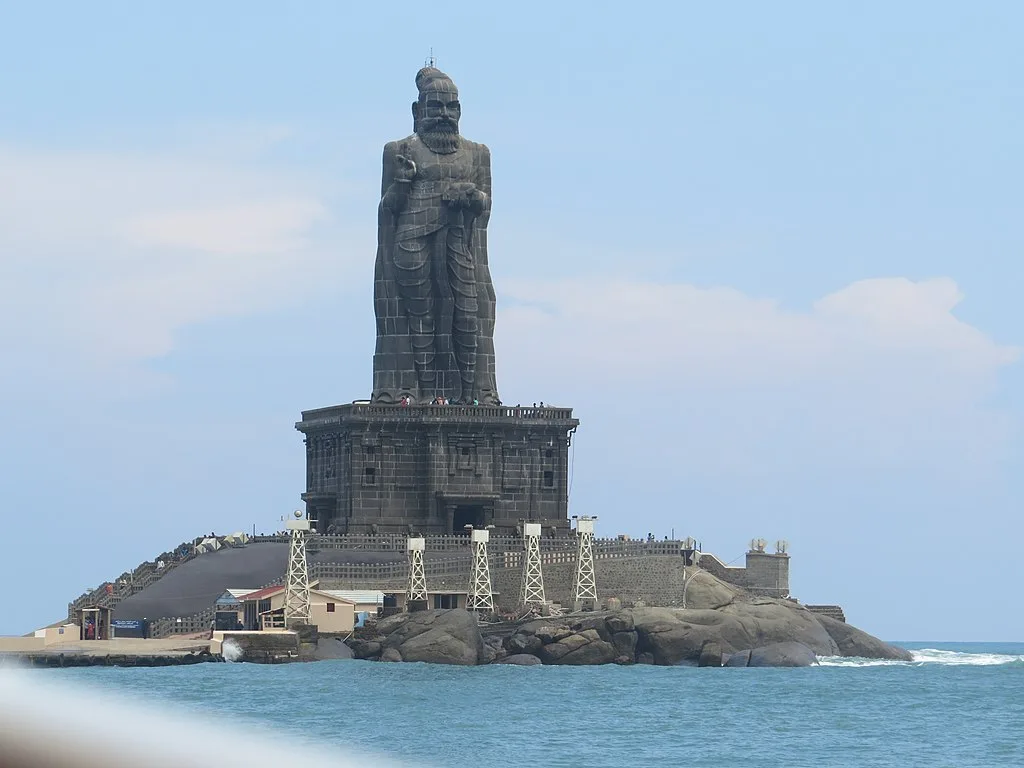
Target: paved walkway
x,y
175,646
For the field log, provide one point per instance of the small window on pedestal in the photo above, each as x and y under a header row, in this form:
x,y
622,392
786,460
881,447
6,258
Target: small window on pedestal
x,y
370,476
549,479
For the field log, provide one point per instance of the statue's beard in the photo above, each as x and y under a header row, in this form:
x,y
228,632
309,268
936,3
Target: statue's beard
x,y
440,136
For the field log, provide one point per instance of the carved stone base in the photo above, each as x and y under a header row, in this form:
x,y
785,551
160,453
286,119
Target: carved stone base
x,y
427,469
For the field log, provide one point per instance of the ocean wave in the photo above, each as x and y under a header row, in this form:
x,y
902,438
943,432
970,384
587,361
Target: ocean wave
x,y
936,656
928,656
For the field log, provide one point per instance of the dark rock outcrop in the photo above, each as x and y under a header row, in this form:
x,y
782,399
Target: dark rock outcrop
x,y
365,649
788,654
625,644
721,631
737,659
710,654
583,648
673,636
855,642
492,650
522,642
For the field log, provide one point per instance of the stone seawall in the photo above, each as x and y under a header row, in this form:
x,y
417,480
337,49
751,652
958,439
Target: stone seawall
x,y
647,571
653,579
832,611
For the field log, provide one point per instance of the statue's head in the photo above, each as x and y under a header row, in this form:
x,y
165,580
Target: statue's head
x,y
436,113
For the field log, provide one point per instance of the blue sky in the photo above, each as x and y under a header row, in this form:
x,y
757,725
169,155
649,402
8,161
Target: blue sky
x,y
772,256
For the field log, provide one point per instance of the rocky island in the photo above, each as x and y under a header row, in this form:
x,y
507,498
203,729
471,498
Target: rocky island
x,y
435,512
725,627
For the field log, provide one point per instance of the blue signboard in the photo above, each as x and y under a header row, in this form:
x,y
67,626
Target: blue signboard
x,y
128,624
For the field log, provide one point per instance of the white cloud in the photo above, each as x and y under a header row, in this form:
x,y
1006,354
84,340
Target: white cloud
x,y
107,256
880,371
693,336
248,228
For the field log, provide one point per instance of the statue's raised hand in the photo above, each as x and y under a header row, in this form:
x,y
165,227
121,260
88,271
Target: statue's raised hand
x,y
405,168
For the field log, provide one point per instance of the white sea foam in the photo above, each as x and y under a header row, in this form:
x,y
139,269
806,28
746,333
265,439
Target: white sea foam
x,y
844,661
935,656
927,656
231,650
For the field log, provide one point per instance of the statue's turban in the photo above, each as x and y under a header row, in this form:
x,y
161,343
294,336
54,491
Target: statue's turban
x,y
433,79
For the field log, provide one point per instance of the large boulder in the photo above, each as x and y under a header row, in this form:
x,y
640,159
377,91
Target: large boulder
x,y
552,633
663,637
710,654
625,644
437,637
329,649
787,654
365,648
851,641
521,642
620,621
764,621
674,636
390,623
705,591
582,648
492,650
594,652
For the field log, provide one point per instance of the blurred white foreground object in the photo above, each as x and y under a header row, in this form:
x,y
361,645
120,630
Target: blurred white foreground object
x,y
46,723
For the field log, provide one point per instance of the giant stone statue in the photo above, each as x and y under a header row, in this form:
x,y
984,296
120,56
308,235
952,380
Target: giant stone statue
x,y
399,465
433,296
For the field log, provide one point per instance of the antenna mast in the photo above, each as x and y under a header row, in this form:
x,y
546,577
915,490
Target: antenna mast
x,y
417,578
481,597
533,577
296,596
584,592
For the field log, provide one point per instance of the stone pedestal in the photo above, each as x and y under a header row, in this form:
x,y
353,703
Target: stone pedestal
x,y
433,469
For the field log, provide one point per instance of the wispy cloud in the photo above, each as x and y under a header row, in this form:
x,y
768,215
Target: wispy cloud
x,y
880,371
107,256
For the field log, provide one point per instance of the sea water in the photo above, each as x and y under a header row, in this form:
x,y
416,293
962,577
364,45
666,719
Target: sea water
x,y
954,705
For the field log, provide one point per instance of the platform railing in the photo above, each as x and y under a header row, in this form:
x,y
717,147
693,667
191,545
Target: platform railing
x,y
421,410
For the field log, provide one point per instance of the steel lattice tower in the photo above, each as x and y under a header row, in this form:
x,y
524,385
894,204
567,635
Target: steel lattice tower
x,y
584,584
417,576
480,596
533,578
296,595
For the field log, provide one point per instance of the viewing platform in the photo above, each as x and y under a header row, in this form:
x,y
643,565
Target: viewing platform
x,y
321,418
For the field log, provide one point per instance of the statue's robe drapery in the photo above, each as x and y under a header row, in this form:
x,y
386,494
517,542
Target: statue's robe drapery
x,y
433,296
